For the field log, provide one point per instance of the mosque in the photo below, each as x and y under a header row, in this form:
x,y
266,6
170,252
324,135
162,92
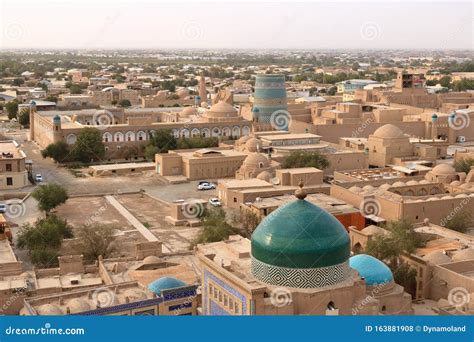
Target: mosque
x,y
298,262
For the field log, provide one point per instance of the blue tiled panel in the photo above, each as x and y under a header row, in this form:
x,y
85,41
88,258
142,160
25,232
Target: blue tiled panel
x,y
225,286
216,310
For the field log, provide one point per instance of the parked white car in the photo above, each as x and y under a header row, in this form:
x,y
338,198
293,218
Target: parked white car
x,y
38,178
206,186
215,202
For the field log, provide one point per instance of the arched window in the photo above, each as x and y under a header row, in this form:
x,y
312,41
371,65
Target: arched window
x,y
130,136
118,136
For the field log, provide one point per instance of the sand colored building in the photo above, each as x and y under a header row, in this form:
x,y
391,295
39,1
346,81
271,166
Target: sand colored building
x,y
13,171
444,265
271,277
125,131
435,195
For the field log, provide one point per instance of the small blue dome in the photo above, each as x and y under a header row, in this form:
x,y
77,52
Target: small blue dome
x,y
56,118
373,270
255,110
165,283
198,97
32,103
434,117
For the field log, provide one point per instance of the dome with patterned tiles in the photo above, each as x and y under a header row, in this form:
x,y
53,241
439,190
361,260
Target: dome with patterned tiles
x,y
300,245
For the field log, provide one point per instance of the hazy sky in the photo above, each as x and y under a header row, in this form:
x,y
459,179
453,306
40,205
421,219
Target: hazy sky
x,y
225,24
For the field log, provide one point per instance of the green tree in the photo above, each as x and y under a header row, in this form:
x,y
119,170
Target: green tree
x,y
445,81
305,159
125,103
75,89
24,117
89,146
49,196
18,82
93,241
163,141
464,165
215,227
43,239
59,152
460,221
401,239
51,98
197,142
12,108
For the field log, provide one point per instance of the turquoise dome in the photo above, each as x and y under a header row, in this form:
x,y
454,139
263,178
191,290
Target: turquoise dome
x,y
300,235
374,271
57,119
165,283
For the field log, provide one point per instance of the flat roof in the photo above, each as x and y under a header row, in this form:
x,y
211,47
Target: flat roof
x,y
290,136
123,166
6,252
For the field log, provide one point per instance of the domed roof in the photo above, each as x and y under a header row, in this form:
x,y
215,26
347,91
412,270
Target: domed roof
x,y
374,271
399,183
388,131
437,258
355,189
412,182
465,254
256,159
188,111
56,118
151,259
244,139
77,305
300,235
424,181
455,183
372,230
443,169
253,145
135,295
49,310
264,175
221,109
165,283
182,92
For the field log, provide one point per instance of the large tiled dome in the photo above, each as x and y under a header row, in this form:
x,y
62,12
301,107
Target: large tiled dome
x,y
300,245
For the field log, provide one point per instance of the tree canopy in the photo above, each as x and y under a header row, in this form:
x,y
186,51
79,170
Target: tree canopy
x,y
96,240
305,159
215,227
89,146
49,196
